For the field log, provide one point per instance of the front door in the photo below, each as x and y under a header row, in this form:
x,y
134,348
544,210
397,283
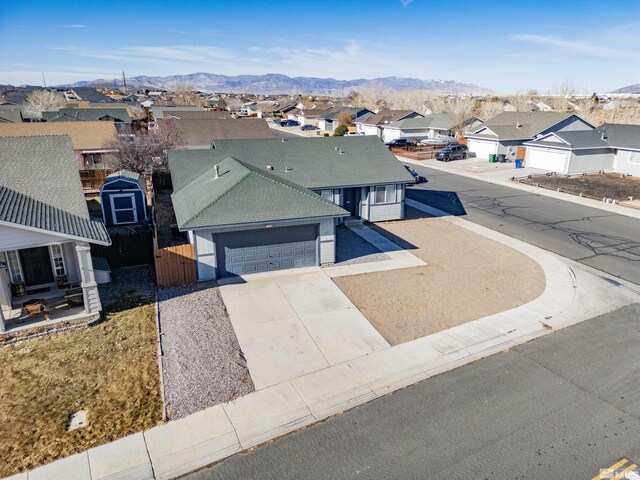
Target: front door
x,y
36,266
349,200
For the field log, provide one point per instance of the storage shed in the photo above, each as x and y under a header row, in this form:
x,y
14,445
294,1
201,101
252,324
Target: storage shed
x,y
123,199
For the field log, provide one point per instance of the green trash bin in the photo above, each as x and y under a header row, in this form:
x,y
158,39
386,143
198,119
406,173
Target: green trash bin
x,y
492,158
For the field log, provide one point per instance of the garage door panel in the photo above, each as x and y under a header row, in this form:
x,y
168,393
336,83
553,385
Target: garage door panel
x,y
247,252
481,148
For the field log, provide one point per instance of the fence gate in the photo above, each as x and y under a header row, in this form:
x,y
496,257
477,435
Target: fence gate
x,y
175,265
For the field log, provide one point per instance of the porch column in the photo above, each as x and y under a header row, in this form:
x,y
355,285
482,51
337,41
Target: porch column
x,y
88,281
2,327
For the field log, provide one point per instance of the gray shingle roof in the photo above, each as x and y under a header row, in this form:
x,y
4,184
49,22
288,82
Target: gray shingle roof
x,y
622,135
313,162
87,114
520,125
10,113
387,116
240,193
40,188
201,132
127,175
438,121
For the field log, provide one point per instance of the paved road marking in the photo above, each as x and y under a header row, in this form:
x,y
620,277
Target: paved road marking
x,y
611,471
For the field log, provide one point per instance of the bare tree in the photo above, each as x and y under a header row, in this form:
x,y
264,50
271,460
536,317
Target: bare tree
x,y
345,118
372,95
146,154
39,101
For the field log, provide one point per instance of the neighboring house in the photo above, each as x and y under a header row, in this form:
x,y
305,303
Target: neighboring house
x,y
161,111
609,147
505,132
269,204
45,228
442,127
330,121
374,124
200,129
123,199
308,116
90,139
10,114
120,116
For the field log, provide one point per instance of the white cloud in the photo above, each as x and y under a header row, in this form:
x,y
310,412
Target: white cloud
x,y
406,3
191,54
581,47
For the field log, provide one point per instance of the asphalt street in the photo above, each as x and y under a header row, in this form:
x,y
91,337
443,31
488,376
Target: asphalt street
x,y
563,406
606,241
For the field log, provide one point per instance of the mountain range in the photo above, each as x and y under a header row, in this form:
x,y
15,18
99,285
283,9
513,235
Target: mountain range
x,y
629,89
274,83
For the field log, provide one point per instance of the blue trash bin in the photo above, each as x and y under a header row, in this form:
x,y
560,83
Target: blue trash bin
x,y
519,163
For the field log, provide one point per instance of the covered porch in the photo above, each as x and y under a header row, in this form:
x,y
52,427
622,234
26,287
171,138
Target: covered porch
x,y
45,284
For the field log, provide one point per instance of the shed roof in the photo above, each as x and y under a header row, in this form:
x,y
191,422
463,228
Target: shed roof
x,y
126,175
84,135
10,113
40,188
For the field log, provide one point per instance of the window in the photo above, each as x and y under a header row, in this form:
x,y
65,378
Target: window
x,y
327,195
385,194
57,259
14,266
634,157
123,208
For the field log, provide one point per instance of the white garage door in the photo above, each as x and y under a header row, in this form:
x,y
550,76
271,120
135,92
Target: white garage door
x,y
550,160
482,148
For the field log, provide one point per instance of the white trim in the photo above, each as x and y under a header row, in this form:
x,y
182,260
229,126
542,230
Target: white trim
x,y
51,232
134,208
9,262
52,257
120,179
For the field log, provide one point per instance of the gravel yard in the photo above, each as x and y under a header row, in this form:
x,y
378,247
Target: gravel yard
x,y
351,248
467,277
137,280
202,362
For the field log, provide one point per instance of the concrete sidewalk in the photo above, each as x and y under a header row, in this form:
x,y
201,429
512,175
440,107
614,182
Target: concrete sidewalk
x,y
501,173
574,293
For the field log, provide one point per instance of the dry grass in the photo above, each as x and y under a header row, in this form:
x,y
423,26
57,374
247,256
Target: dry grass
x,y
610,185
109,370
467,277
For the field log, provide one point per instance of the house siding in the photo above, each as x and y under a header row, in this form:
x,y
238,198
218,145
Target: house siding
x,y
590,160
570,124
373,212
627,161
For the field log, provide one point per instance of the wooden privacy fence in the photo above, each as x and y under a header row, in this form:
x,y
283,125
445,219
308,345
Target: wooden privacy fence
x,y
127,248
418,152
175,265
93,179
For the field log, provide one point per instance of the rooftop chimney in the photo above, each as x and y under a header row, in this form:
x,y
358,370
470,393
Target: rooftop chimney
x,y
216,169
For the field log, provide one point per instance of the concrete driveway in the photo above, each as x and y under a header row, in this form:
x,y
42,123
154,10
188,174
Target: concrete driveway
x,y
294,322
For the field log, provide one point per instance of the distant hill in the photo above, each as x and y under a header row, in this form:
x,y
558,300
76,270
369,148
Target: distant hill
x,y
629,89
275,83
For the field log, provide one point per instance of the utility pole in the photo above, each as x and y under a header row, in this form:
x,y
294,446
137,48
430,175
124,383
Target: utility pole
x,y
124,82
44,82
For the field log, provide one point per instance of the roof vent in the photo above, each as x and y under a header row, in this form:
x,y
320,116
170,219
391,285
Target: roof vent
x,y
603,135
283,140
336,148
518,125
287,169
216,169
269,167
342,152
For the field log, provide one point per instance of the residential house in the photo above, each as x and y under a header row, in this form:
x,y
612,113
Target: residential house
x,y
329,121
507,131
374,124
437,127
308,116
90,139
609,147
45,228
120,116
269,204
10,113
201,129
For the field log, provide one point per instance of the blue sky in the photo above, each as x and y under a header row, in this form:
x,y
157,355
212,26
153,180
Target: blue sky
x,y
507,46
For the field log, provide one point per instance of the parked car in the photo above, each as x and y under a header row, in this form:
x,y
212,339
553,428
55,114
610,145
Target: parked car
x,y
290,123
278,123
308,127
452,152
349,134
438,139
398,142
416,176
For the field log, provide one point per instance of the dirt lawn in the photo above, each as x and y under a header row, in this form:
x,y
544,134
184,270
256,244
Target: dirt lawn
x,y
609,185
109,370
467,277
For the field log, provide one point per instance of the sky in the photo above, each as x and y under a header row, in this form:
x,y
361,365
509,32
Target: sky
x,y
506,46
